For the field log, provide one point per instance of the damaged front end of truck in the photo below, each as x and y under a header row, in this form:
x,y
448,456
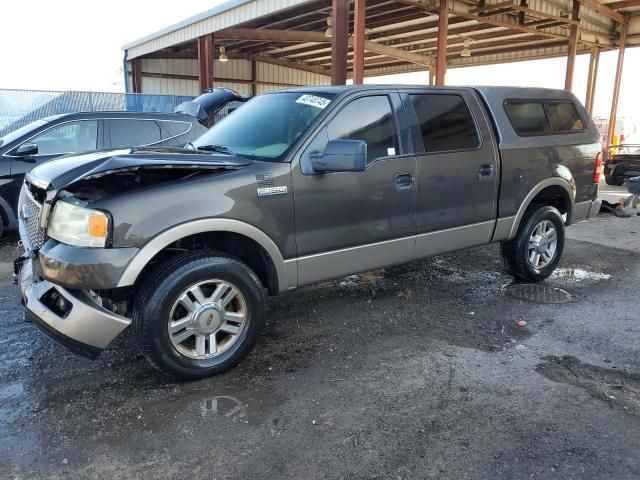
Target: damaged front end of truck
x,y
70,269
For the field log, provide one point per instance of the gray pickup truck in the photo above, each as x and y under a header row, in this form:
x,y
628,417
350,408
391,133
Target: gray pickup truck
x,y
295,187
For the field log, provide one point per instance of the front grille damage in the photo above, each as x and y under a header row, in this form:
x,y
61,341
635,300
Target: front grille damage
x,y
32,234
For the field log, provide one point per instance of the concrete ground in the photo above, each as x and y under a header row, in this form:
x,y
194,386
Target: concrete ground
x,y
417,371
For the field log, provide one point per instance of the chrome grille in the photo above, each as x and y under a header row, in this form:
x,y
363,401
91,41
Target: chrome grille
x,y
31,234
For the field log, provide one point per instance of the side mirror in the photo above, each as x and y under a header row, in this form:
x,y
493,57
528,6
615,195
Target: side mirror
x,y
341,156
26,150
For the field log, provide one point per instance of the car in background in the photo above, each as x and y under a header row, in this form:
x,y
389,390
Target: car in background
x,y
73,133
623,164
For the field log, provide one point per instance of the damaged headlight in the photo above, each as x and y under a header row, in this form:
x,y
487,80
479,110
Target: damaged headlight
x,y
77,225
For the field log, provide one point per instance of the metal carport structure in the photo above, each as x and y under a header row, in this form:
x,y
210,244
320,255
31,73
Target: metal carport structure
x,y
259,45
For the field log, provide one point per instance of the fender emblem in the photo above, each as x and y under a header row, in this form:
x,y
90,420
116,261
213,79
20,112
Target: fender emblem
x,y
267,191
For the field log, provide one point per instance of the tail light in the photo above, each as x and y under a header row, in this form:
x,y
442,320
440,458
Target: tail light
x,y
597,168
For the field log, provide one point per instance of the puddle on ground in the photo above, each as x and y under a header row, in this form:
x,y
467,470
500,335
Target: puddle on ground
x,y
612,385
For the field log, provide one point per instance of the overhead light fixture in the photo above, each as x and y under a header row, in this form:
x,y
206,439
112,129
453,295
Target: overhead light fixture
x,y
466,51
223,56
329,31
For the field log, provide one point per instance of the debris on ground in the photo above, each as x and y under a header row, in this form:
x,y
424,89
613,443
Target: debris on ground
x,y
520,322
579,274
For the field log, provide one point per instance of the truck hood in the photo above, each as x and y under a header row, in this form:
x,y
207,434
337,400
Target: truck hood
x,y
64,171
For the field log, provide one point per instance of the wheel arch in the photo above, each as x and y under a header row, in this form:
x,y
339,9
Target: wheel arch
x,y
244,230
549,192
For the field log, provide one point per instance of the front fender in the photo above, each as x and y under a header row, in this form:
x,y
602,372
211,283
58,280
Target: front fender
x,y
166,238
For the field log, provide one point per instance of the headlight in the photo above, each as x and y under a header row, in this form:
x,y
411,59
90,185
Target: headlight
x,y
78,226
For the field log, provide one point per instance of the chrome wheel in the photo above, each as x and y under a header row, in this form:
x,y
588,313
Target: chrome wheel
x,y
207,319
543,244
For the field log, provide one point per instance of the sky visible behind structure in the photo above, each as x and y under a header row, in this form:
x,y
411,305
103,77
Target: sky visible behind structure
x,y
76,45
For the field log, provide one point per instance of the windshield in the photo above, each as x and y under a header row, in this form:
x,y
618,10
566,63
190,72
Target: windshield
x,y
266,126
16,134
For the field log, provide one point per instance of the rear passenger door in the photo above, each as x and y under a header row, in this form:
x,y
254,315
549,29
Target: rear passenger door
x,y
457,170
128,132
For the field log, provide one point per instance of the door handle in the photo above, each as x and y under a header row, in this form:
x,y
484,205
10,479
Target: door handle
x,y
485,171
404,182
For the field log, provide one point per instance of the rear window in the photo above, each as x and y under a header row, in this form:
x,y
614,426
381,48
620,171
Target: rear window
x,y
543,117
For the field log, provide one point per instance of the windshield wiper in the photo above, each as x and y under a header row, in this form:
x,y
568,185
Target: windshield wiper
x,y
215,148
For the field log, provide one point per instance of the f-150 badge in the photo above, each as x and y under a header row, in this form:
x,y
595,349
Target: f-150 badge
x,y
267,191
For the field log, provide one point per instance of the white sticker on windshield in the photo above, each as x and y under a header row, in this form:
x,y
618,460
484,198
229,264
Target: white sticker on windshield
x,y
391,151
314,101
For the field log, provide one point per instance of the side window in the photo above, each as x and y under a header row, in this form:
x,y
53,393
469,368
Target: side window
x,y
445,122
544,117
71,137
564,117
369,119
173,129
132,133
528,118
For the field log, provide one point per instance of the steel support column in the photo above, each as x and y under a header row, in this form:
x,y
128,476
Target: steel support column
x,y
616,84
441,54
254,78
574,32
136,75
358,41
205,61
339,41
591,79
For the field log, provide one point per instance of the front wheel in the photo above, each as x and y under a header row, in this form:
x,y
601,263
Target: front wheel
x,y
198,315
536,250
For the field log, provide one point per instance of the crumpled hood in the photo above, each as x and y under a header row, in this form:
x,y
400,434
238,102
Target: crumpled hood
x,y
64,171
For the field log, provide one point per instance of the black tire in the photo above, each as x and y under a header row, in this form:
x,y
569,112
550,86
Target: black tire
x,y
515,252
1,225
614,180
161,290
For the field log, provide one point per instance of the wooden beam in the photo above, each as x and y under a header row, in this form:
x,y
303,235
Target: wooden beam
x,y
616,84
497,22
592,77
205,61
603,10
573,46
624,4
280,61
339,41
441,52
359,8
491,6
317,37
136,75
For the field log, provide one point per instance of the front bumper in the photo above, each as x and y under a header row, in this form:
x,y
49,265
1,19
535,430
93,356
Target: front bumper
x,y
85,327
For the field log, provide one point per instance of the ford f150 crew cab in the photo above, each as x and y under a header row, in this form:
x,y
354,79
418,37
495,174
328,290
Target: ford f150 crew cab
x,y
295,187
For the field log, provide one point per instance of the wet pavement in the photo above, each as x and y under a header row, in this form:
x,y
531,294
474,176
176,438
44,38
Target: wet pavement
x,y
418,371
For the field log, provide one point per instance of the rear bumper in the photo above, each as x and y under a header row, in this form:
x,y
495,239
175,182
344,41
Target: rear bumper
x,y
585,210
85,327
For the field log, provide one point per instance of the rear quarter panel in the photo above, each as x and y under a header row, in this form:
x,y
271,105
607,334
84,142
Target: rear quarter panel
x,y
528,160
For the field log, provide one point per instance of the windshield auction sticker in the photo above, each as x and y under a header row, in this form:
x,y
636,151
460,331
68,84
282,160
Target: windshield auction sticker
x,y
313,101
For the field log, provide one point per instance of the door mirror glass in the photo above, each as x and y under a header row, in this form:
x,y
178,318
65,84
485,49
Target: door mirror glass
x,y
341,156
26,150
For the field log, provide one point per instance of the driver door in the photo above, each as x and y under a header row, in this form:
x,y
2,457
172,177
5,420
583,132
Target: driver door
x,y
348,222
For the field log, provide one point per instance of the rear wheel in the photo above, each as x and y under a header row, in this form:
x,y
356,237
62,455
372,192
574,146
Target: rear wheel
x,y
614,180
198,315
536,250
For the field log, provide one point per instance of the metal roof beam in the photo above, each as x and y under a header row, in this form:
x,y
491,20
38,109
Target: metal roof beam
x,y
305,36
603,10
